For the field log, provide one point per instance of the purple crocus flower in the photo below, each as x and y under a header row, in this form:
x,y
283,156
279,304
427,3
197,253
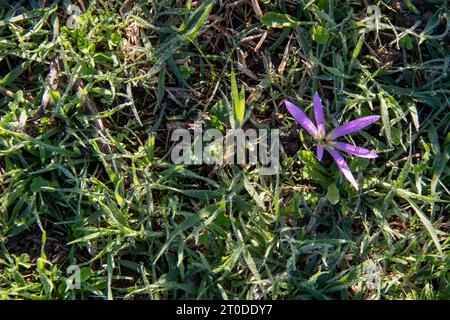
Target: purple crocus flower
x,y
327,141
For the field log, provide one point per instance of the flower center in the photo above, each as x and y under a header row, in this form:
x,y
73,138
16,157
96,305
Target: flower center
x,y
325,140
321,137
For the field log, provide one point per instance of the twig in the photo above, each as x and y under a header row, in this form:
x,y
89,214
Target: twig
x,y
261,41
11,94
256,8
6,92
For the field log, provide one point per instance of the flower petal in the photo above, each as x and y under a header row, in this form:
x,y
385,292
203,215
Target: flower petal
x,y
301,118
343,167
318,113
352,126
319,151
356,151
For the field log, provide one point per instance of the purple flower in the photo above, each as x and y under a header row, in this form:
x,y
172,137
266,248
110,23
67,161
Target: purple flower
x,y
327,141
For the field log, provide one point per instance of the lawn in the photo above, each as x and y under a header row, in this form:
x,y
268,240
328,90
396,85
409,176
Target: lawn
x,y
92,205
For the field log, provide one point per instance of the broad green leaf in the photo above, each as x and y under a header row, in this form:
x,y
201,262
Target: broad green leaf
x,y
278,20
406,42
333,194
310,160
292,208
320,35
219,116
85,274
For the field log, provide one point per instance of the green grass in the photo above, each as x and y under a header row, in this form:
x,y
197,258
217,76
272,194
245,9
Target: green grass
x,y
85,177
